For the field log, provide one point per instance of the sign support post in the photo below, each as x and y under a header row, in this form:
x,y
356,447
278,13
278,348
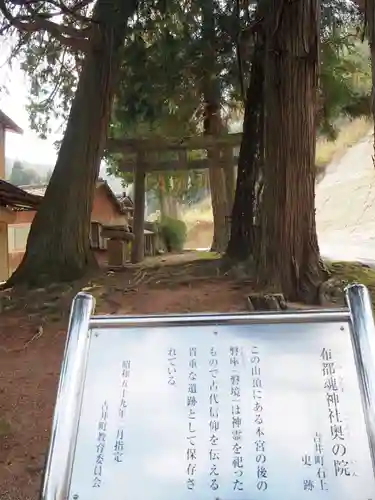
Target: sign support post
x,y
363,338
59,463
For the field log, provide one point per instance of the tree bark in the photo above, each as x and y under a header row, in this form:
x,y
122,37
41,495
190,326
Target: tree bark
x,y
367,7
58,245
287,258
162,196
213,126
138,245
219,205
168,203
172,206
250,163
230,179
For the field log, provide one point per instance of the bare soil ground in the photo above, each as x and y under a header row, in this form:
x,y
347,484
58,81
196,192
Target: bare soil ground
x,y
32,336
33,331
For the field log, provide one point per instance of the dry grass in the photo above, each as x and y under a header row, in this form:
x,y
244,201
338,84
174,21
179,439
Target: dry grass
x,y
326,151
350,134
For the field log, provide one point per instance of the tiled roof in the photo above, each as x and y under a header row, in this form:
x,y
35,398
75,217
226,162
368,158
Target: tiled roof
x,y
40,189
15,197
37,189
111,194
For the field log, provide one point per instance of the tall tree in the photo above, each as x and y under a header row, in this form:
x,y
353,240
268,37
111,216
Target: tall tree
x,y
288,254
188,56
164,64
155,110
368,7
245,212
58,244
285,249
253,234
212,124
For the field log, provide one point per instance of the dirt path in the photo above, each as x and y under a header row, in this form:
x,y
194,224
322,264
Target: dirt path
x,y
30,359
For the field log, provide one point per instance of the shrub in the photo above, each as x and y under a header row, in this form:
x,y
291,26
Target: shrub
x,y
173,232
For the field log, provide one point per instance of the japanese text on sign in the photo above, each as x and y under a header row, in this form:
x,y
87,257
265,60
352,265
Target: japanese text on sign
x,y
191,452
258,402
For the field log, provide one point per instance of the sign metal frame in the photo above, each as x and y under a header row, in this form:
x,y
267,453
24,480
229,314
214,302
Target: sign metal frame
x,y
60,457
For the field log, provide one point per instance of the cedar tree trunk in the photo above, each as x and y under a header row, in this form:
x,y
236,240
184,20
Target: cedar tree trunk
x,y
287,258
213,126
162,196
367,7
245,207
58,245
218,201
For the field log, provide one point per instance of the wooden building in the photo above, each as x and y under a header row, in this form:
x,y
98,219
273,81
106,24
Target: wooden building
x,y
108,211
12,199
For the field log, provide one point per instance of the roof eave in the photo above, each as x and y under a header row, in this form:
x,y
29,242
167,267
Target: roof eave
x,y
13,196
8,124
111,194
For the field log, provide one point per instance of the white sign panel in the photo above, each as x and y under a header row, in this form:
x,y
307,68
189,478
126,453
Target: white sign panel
x,y
242,412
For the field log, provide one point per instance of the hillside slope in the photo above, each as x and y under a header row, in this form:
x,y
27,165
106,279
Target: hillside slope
x,y
345,209
345,205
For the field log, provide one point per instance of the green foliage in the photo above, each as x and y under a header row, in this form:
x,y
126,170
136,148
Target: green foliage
x,y
162,70
337,14
161,86
160,90
174,233
345,77
48,39
345,80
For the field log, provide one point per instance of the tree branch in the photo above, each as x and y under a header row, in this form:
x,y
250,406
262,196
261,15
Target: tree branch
x,y
59,4
67,35
71,11
53,94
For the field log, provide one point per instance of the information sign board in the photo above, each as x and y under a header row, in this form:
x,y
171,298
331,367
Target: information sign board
x,y
216,407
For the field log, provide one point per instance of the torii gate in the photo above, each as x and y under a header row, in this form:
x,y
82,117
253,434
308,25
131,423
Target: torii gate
x,y
147,152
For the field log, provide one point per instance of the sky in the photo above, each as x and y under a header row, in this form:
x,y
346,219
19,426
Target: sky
x,y
28,146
